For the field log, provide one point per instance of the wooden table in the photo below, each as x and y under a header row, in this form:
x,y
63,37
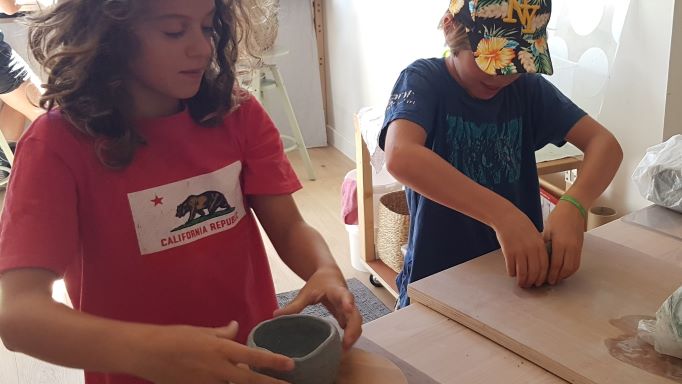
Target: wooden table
x,y
654,244
432,343
451,353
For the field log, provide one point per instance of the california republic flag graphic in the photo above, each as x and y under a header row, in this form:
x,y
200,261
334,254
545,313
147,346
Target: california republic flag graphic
x,y
188,210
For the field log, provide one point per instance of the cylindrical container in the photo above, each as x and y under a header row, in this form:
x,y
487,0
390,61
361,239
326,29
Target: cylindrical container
x,y
393,231
355,252
382,183
598,216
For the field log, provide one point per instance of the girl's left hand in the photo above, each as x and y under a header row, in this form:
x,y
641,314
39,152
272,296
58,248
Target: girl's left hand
x,y
565,230
328,287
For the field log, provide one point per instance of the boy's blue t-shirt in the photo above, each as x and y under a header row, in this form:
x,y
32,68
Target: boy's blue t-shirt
x,y
493,142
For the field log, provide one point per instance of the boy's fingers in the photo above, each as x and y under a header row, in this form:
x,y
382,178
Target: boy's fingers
x,y
522,270
510,261
544,267
571,260
533,268
556,265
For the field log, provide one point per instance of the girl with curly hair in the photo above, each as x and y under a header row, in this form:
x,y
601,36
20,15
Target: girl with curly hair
x,y
139,188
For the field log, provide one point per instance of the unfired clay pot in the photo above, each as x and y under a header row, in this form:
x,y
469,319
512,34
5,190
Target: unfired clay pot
x,y
312,342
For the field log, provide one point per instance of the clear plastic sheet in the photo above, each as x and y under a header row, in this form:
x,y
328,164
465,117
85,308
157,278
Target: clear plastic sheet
x,y
665,333
659,175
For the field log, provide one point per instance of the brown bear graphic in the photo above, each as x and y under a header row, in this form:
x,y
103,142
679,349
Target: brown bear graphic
x,y
209,201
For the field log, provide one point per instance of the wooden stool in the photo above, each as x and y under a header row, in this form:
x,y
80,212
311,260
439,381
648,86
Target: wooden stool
x,y
260,81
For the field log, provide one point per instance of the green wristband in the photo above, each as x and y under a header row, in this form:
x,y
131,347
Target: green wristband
x,y
576,203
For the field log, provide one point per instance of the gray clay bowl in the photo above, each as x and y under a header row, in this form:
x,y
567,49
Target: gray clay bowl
x,y
312,342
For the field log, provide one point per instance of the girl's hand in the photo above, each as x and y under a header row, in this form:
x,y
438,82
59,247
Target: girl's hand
x,y
523,249
565,229
184,354
328,287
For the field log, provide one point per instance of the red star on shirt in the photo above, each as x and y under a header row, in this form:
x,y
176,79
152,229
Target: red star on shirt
x,y
157,201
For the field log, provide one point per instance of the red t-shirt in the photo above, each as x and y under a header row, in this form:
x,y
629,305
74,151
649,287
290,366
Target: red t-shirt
x,y
170,239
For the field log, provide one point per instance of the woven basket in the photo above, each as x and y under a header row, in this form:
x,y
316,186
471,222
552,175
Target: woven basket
x,y
393,229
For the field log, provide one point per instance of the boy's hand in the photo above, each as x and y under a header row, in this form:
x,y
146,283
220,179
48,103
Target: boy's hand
x,y
328,287
565,229
184,354
523,249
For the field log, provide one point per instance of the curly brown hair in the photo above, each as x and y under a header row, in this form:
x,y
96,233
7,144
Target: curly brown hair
x,y
85,46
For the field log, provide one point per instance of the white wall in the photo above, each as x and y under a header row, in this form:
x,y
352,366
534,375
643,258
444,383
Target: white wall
x,y
635,103
370,42
673,116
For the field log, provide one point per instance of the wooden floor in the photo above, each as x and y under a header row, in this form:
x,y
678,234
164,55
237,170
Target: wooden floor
x,y
320,204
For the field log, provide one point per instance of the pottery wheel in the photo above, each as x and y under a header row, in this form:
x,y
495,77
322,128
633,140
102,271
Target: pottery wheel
x,y
360,366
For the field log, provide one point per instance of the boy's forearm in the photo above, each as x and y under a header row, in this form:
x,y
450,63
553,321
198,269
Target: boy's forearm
x,y
602,157
60,335
428,174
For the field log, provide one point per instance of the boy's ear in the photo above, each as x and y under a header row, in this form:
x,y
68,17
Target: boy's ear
x,y
447,21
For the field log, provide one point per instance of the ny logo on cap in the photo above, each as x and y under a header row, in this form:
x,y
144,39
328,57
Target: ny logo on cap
x,y
525,12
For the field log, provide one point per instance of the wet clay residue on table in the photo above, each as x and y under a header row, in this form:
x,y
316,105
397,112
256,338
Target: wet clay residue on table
x,y
629,349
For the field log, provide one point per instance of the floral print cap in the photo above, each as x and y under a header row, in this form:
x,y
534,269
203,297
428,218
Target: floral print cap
x,y
507,36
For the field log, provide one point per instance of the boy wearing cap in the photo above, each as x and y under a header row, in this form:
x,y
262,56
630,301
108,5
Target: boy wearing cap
x,y
461,133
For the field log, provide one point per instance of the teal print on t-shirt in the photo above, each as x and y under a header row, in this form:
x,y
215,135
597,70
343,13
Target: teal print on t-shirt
x,y
486,153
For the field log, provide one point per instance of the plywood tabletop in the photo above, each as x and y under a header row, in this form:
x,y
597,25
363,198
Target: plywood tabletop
x,y
449,352
645,240
570,329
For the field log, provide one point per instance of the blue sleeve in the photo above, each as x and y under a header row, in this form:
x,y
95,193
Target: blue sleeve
x,y
553,114
413,98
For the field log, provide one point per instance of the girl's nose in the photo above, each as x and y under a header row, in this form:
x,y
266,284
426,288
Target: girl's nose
x,y
201,45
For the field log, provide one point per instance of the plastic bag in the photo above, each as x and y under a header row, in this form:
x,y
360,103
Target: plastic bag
x,y
659,175
665,333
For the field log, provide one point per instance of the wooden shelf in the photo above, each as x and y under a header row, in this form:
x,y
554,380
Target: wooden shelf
x,y
384,274
560,165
